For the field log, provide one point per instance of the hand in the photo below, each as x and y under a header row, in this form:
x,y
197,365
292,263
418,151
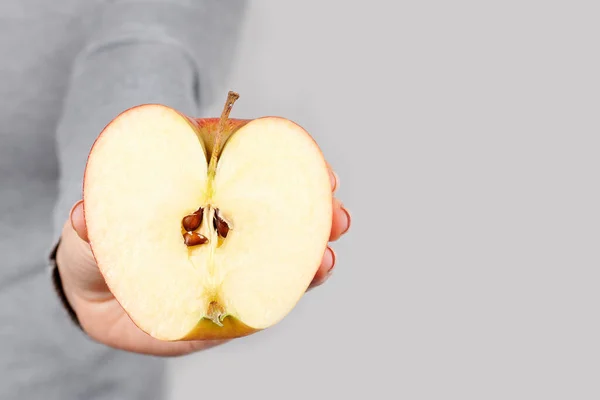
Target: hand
x,y
340,225
103,318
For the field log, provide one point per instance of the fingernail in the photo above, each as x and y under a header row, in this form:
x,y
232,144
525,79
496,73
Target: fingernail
x,y
333,257
334,180
348,219
73,210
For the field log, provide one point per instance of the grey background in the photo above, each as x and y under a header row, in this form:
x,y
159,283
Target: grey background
x,y
465,134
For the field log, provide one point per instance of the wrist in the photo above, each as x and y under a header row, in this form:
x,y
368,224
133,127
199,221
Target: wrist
x,y
58,285
76,268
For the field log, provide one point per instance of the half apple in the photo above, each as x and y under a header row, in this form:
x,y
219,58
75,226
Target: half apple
x,y
209,228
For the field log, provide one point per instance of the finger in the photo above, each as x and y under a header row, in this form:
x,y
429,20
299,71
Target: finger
x,y
335,180
76,261
341,220
78,221
325,269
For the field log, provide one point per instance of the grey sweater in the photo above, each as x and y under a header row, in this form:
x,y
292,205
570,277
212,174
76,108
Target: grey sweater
x,y
68,67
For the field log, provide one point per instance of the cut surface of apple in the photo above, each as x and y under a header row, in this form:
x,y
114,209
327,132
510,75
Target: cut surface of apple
x,y
195,253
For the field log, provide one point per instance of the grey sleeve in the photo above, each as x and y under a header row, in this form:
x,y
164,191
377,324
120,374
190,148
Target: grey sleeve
x,y
172,52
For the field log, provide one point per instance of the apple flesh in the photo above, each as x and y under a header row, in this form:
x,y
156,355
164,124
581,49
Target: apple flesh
x,y
206,228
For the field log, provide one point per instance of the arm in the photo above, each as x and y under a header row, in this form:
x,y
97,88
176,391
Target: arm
x,y
123,66
138,52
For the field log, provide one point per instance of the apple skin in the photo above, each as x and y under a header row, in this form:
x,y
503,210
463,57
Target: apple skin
x,y
206,129
207,330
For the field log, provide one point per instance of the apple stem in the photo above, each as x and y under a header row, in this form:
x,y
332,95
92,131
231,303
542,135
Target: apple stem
x,y
212,166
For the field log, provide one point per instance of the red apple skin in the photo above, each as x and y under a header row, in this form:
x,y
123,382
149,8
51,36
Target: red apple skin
x,y
206,128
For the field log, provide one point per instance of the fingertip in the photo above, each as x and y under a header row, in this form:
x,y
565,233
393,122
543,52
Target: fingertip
x,y
341,220
348,218
325,269
78,221
333,177
332,262
328,261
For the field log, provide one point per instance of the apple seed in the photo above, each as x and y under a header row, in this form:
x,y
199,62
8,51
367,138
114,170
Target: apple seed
x,y
194,239
220,225
192,222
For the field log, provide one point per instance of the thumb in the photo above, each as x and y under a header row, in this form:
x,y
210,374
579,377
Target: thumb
x,y
78,221
76,261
